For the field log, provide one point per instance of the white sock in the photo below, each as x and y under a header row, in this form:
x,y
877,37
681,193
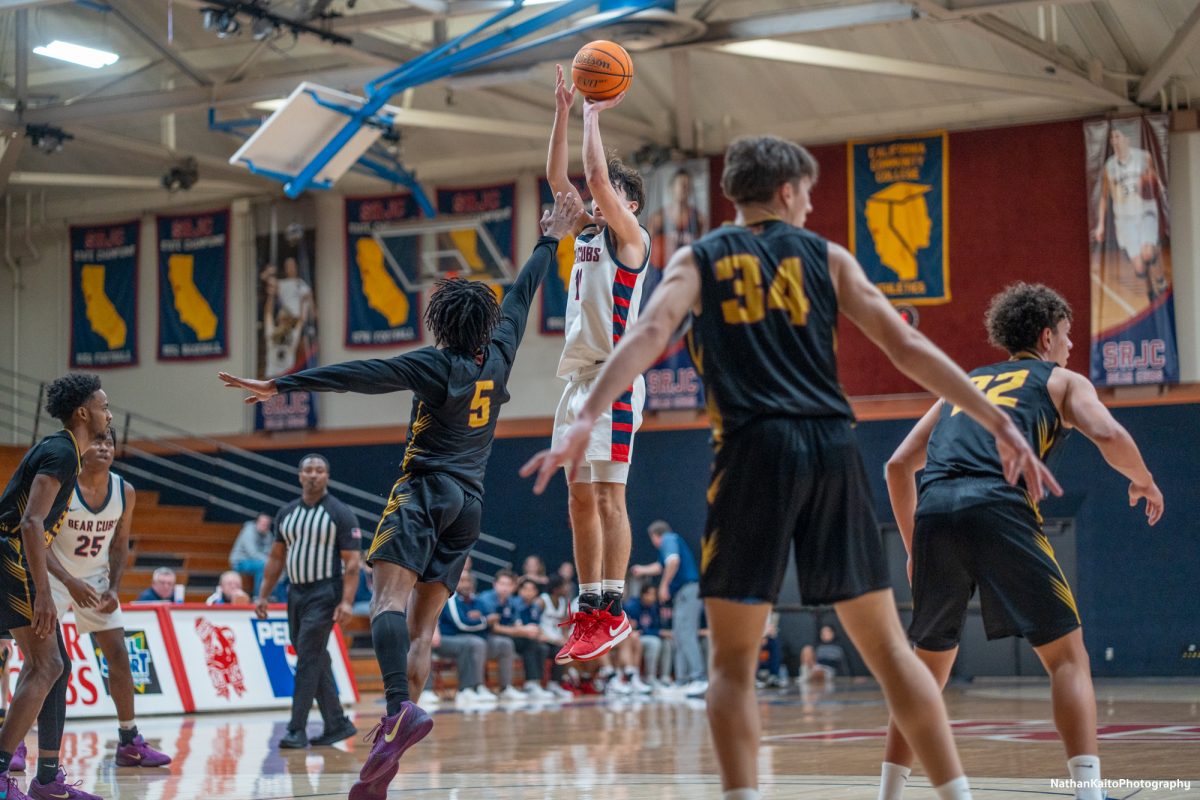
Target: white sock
x,y
892,780
589,588
957,789
608,586
741,794
1086,769
126,725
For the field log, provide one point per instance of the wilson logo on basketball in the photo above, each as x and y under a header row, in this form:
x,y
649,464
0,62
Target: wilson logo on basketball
x,y
589,60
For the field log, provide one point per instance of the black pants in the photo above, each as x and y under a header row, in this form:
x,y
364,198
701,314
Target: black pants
x,y
533,657
310,621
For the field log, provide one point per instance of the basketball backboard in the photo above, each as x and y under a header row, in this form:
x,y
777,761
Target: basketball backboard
x,y
298,130
419,252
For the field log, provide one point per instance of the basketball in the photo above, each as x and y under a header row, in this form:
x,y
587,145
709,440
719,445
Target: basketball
x,y
602,70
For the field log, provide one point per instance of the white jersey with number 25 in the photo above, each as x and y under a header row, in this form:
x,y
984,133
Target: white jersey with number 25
x,y
82,544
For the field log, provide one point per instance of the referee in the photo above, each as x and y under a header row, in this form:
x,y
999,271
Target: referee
x,y
315,535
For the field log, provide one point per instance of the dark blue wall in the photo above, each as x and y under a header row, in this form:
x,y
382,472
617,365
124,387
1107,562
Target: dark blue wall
x,y
1137,586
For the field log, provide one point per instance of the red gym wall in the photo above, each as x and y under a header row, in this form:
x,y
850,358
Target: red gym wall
x,y
1018,211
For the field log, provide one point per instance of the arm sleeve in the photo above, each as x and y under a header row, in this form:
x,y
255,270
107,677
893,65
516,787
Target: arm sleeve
x,y
349,535
58,460
518,299
425,371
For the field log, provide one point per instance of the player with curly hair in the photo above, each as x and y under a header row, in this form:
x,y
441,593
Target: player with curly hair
x,y
967,527
434,511
32,509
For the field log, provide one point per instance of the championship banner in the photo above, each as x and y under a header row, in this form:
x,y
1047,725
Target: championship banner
x,y
234,660
899,215
379,312
1133,305
554,287
193,286
499,200
154,688
104,273
287,310
677,206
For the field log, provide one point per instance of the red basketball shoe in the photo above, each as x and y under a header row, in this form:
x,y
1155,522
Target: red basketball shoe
x,y
603,632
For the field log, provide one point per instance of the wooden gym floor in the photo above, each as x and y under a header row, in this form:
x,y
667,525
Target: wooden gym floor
x,y
819,744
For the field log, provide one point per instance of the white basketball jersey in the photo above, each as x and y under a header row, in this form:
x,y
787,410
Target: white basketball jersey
x,y
82,543
603,300
1125,182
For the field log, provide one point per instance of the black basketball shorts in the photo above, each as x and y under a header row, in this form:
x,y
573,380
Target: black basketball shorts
x,y
16,586
980,532
791,482
429,526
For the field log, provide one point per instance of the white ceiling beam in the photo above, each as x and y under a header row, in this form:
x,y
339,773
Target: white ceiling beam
x,y
200,97
93,181
129,18
1184,43
11,145
829,58
957,116
209,165
13,5
950,9
21,81
1048,56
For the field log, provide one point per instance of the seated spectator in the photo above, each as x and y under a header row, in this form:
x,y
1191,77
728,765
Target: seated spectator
x,y
646,616
162,587
566,571
770,657
554,607
463,628
249,553
229,591
826,661
534,569
508,636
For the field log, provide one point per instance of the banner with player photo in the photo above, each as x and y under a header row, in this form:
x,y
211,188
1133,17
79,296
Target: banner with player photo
x,y
104,281
193,286
285,247
498,201
1129,222
677,214
554,287
899,218
379,312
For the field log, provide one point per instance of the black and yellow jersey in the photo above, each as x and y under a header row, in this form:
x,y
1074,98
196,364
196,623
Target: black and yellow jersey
x,y
57,456
961,447
765,338
457,397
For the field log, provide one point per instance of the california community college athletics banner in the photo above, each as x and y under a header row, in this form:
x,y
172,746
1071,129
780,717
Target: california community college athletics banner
x,y
379,312
193,286
898,215
1133,306
104,273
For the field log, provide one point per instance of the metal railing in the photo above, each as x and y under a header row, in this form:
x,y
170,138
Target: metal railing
x,y
218,474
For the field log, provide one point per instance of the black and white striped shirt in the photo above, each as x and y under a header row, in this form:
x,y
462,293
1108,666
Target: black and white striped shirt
x,y
315,536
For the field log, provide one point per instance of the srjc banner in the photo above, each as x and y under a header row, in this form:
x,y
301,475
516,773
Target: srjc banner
x,y
104,275
379,312
193,286
1133,306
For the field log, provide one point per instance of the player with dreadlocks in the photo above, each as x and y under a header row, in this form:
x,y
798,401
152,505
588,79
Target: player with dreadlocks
x,y
433,515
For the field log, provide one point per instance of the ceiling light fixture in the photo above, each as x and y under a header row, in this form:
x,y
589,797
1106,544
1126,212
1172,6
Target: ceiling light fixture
x,y
77,54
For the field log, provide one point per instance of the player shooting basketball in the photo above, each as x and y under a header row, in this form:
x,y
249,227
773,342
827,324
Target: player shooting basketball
x,y
603,297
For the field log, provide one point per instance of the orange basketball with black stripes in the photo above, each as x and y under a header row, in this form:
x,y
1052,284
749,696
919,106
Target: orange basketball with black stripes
x,y
602,70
